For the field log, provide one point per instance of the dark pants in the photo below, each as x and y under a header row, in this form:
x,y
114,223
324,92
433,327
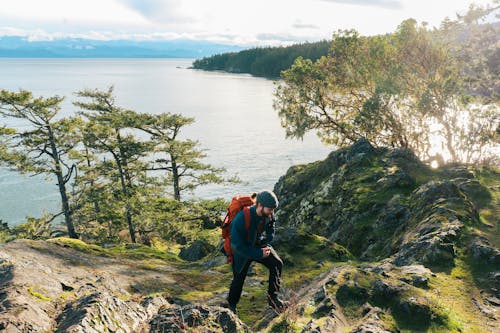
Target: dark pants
x,y
273,263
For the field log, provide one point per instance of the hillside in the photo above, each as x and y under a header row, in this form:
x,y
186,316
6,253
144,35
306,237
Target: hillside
x,y
21,47
265,61
372,241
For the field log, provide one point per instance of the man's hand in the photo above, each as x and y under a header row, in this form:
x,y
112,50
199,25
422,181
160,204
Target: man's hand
x,y
267,251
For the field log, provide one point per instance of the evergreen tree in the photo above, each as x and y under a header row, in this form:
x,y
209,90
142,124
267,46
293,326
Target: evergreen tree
x,y
110,132
263,61
43,145
181,159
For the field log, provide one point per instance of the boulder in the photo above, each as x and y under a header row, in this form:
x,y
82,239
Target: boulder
x,y
371,322
196,317
416,275
101,312
481,250
385,289
197,250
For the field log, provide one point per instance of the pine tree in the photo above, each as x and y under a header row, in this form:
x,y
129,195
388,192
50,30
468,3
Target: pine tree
x,y
42,147
110,132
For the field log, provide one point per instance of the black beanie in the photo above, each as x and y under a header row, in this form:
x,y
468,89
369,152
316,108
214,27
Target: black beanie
x,y
267,199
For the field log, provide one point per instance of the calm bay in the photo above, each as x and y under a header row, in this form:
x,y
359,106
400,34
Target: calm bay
x,y
234,120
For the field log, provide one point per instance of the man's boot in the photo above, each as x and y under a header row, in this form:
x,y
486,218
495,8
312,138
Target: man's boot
x,y
277,304
233,308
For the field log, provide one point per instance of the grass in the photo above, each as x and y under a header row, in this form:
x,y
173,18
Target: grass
x,y
489,210
453,293
251,306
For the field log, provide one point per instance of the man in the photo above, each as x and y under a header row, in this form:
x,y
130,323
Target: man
x,y
254,246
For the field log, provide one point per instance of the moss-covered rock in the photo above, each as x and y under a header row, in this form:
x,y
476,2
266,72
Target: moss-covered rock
x,y
196,318
197,250
415,225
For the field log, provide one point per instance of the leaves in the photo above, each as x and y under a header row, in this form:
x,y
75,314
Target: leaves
x,y
406,89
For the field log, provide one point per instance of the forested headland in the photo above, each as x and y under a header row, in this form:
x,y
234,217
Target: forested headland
x,y
263,61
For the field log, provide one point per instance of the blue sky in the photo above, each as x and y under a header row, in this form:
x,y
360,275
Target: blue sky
x,y
256,22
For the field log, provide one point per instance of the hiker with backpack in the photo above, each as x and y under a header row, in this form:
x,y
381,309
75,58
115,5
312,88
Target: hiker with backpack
x,y
247,231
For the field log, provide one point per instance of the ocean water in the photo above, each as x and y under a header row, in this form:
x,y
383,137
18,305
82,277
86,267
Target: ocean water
x,y
234,120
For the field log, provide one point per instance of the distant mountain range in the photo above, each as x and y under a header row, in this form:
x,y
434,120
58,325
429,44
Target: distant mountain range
x,y
20,47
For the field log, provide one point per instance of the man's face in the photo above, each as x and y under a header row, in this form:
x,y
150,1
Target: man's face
x,y
267,212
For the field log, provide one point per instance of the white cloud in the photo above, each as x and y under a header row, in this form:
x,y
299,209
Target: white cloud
x,y
231,21
391,4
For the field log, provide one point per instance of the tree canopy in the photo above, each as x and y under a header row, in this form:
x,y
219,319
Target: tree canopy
x,y
115,168
416,88
263,61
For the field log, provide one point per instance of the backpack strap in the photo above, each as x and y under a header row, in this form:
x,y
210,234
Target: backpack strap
x,y
248,220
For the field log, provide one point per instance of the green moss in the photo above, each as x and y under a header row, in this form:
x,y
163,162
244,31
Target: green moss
x,y
80,246
389,322
489,207
285,325
251,306
196,296
351,297
124,297
317,248
141,252
38,295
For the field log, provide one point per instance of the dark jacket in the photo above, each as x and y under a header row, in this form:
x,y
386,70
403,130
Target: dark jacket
x,y
244,244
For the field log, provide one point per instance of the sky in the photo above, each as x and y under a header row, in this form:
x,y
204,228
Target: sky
x,y
237,22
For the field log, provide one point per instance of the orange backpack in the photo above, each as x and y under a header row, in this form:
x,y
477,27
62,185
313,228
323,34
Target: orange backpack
x,y
238,203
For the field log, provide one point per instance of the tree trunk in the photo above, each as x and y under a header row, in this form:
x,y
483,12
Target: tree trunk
x,y
175,176
449,141
62,186
97,209
125,182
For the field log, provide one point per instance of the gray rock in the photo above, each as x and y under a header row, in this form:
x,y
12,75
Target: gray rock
x,y
320,295
101,312
371,322
386,290
197,317
311,327
416,309
197,250
481,250
325,308
436,227
457,172
416,275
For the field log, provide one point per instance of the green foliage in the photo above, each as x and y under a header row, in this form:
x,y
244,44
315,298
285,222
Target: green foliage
x,y
33,228
42,147
266,62
181,159
5,233
107,132
407,89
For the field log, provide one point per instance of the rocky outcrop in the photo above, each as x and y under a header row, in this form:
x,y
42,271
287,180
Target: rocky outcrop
x,y
385,206
371,322
46,286
101,312
370,201
482,251
196,317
